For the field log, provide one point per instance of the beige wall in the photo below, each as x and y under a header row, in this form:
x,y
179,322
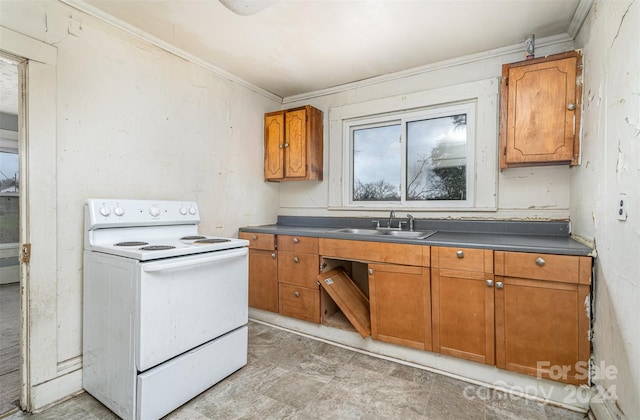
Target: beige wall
x,y
521,193
111,116
611,166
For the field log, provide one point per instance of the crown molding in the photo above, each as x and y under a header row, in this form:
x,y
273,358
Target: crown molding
x,y
415,71
579,16
147,37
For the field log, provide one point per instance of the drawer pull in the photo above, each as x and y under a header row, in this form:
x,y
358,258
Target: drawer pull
x,y
254,237
273,255
295,259
489,283
296,240
499,285
296,294
460,254
540,261
370,271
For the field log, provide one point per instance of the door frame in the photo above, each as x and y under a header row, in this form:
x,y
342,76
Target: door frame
x,y
37,199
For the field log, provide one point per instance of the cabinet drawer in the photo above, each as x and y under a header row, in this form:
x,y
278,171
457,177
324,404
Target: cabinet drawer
x,y
298,244
297,268
561,268
383,252
300,302
465,259
259,240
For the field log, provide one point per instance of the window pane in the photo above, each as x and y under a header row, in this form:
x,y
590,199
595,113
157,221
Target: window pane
x,y
377,163
437,158
9,222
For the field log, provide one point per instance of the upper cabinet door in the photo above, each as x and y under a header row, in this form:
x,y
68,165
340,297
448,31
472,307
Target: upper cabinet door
x,y
296,144
293,145
540,114
274,146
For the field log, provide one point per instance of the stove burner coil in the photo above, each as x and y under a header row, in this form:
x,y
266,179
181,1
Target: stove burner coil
x,y
212,241
191,238
131,243
156,247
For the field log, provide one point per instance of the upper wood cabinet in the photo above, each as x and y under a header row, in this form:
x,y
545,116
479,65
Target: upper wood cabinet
x,y
293,145
540,111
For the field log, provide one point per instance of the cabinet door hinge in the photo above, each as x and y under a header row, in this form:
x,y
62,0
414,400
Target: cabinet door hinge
x,y
506,81
25,253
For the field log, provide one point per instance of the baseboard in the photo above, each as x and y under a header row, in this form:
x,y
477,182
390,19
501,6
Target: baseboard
x,y
56,390
604,408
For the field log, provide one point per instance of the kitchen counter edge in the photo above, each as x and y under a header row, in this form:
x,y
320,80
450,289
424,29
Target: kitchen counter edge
x,y
497,241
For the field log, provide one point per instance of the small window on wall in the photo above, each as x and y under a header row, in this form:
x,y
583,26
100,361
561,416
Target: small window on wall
x,y
418,158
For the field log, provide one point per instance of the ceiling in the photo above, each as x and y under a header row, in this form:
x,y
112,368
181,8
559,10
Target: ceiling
x,y
292,47
295,47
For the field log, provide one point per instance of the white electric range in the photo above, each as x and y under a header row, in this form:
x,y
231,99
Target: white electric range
x,y
165,308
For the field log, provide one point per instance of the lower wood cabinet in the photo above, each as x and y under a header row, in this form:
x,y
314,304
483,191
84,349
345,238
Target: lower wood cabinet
x,y
299,302
523,312
263,271
541,320
400,299
463,303
298,269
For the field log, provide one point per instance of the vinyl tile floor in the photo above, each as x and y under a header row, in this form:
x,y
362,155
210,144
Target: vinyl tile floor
x,y
289,376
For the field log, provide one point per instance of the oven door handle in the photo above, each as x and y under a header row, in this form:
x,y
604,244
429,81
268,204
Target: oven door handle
x,y
210,257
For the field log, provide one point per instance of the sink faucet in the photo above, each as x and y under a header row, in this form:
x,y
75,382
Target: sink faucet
x,y
392,215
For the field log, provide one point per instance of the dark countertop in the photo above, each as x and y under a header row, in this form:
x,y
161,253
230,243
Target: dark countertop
x,y
545,237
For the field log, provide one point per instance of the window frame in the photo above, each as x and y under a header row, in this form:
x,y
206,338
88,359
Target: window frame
x,y
403,118
486,95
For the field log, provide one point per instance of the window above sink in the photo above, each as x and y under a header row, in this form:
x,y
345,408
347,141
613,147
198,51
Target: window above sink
x,y
422,151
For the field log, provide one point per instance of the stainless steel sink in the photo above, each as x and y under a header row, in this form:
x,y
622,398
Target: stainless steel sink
x,y
415,234
356,231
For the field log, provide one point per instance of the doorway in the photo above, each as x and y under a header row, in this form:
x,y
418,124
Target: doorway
x,y
9,237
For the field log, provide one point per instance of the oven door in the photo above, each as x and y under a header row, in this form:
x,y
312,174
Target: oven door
x,y
187,301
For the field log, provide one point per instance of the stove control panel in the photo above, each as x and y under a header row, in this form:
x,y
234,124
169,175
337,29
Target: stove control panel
x,y
101,213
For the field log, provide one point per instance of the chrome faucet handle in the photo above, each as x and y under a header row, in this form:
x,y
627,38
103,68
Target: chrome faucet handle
x,y
410,219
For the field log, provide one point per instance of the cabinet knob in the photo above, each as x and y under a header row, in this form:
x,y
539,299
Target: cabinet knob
x,y
571,107
540,261
489,283
254,237
295,259
296,294
286,145
370,271
499,285
460,254
296,240
273,255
